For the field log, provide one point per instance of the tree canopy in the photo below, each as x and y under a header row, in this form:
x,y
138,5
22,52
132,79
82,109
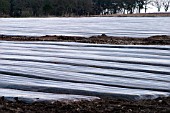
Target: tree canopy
x,y
17,8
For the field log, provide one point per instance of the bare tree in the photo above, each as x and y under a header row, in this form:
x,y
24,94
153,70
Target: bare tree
x,y
157,4
166,4
146,2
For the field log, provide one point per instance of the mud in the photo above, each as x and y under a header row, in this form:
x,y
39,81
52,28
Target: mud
x,y
159,105
102,39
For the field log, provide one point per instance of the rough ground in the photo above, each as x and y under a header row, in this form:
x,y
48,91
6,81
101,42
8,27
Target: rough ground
x,y
103,39
136,15
160,105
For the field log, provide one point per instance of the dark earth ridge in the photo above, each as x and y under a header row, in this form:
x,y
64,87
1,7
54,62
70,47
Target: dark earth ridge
x,y
102,39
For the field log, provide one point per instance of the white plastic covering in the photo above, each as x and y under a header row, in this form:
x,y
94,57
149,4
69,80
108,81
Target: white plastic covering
x,y
136,72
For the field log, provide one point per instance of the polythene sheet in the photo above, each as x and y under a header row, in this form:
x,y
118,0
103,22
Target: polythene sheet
x,y
42,69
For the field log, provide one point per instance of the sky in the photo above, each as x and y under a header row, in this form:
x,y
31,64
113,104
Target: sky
x,y
153,9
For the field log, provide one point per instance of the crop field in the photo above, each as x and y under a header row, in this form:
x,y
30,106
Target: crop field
x,y
76,70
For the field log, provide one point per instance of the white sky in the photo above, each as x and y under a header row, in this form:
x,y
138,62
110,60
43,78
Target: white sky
x,y
152,9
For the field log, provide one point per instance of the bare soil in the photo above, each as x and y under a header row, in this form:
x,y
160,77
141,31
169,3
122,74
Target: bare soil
x,y
159,105
102,39
136,15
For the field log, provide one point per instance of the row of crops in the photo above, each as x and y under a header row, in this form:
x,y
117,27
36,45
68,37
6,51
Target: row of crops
x,y
46,69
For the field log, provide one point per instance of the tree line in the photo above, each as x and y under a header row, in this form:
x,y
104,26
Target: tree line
x,y
26,8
